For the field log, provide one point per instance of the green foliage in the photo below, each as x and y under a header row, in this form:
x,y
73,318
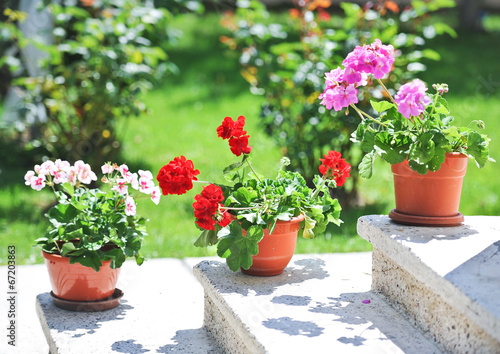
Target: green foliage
x,y
103,56
285,62
90,226
256,204
423,141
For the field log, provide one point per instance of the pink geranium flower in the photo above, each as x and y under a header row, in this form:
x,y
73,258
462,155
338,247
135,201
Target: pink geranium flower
x,y
130,207
156,194
28,177
38,182
411,99
121,186
84,172
375,59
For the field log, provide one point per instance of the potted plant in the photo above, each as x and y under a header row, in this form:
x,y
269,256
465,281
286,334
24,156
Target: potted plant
x,y
91,231
413,132
252,213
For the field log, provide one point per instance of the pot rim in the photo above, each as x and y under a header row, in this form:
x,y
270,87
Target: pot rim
x,y
297,218
48,255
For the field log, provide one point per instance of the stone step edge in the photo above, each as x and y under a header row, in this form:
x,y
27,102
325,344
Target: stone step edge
x,y
240,334
435,283
232,334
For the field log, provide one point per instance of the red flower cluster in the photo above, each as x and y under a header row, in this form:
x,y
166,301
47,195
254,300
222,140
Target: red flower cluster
x,y
207,208
177,176
238,138
335,167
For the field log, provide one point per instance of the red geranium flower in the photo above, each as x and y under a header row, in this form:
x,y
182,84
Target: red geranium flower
x,y
204,212
229,128
239,145
206,223
177,176
335,167
226,219
213,193
204,208
207,208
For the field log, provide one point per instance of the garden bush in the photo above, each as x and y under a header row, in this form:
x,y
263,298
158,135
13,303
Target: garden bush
x,y
104,54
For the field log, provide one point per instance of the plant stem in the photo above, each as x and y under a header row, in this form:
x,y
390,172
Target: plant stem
x,y
243,208
360,112
317,190
434,105
386,91
255,173
204,182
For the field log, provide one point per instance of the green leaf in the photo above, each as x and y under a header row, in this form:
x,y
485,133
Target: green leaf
x,y
366,165
68,247
441,27
381,106
245,196
63,213
116,256
309,224
423,150
207,237
368,140
238,249
431,54
236,165
392,147
477,147
88,259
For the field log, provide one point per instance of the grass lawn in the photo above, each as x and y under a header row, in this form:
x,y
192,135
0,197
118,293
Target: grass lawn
x,y
187,109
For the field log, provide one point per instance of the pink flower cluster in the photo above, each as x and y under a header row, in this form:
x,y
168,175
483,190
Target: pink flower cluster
x,y
341,84
411,99
59,172
375,59
338,92
121,177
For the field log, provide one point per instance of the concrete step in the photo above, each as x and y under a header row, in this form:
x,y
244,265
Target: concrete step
x,y
446,281
319,304
161,312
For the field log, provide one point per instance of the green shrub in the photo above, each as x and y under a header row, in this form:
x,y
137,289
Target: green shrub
x,y
103,55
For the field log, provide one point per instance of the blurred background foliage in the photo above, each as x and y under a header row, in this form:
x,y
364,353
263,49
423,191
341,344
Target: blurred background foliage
x,y
202,68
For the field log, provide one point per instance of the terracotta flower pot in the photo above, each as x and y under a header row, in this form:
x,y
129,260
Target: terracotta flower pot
x,y
276,250
76,282
431,199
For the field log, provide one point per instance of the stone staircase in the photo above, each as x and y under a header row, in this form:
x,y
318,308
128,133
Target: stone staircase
x,y
432,290
446,281
423,290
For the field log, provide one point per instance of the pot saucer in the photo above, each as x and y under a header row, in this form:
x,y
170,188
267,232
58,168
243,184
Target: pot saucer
x,y
416,220
89,306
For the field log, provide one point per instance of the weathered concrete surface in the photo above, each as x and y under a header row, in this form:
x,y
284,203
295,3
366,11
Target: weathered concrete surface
x,y
316,305
161,312
31,280
446,280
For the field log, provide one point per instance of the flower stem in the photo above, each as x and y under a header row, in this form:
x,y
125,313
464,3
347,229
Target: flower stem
x,y
243,208
317,190
204,182
255,173
360,112
434,105
386,91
